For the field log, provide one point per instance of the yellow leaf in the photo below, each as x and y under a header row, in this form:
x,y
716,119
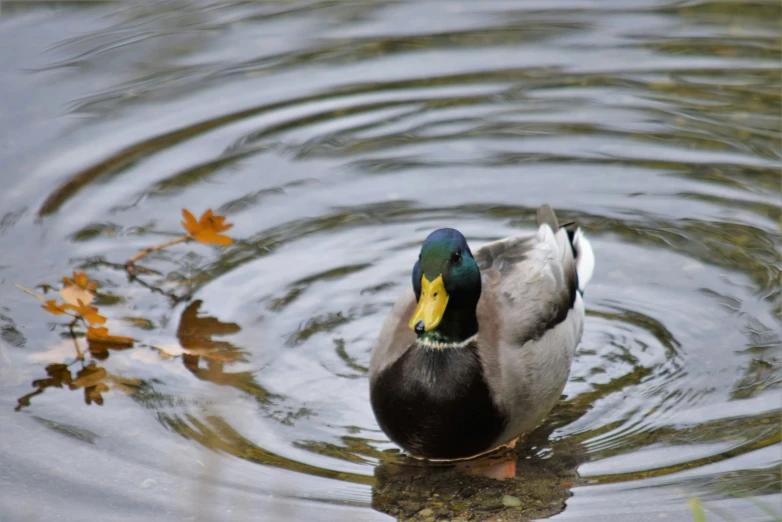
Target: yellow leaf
x,y
74,293
53,308
90,313
207,229
101,335
80,279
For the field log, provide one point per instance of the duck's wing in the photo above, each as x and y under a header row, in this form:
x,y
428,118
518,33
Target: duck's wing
x,y
534,280
531,317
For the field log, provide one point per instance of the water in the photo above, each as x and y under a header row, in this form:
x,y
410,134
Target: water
x,y
335,135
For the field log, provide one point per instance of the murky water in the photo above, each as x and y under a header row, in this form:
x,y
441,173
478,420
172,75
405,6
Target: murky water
x,y
335,135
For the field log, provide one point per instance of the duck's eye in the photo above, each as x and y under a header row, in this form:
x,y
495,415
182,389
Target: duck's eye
x,y
456,258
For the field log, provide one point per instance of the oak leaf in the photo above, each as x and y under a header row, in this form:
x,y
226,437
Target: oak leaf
x,y
80,279
207,229
52,307
89,313
90,378
74,294
101,335
80,288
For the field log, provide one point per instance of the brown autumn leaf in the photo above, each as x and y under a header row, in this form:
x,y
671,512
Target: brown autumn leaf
x,y
98,350
90,378
93,393
101,335
80,279
195,334
127,385
58,375
89,313
73,294
52,307
207,229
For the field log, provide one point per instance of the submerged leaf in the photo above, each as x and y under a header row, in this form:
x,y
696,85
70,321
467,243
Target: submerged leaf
x,y
207,229
697,510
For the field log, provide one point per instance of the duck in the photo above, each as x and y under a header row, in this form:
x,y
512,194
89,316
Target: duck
x,y
477,351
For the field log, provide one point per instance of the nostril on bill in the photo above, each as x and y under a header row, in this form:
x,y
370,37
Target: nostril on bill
x,y
419,327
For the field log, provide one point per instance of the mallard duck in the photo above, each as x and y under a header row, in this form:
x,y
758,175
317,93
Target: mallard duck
x,y
477,352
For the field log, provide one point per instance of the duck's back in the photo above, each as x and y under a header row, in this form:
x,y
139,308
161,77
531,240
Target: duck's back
x,y
530,318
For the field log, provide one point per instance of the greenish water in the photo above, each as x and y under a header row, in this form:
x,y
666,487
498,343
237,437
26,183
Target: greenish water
x,y
335,136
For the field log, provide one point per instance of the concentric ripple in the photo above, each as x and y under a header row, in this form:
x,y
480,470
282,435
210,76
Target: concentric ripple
x,y
336,135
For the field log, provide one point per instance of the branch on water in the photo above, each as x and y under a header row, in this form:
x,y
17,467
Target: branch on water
x,y
79,353
130,264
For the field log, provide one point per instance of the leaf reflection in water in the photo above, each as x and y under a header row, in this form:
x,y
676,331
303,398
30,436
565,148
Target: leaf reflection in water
x,y
195,336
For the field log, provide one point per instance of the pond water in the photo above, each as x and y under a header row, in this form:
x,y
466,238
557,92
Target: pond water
x,y
335,135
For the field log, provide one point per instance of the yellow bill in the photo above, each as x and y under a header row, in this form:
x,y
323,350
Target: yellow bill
x,y
431,304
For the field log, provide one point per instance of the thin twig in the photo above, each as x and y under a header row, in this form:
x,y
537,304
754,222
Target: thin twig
x,y
23,289
131,268
124,267
175,299
134,278
83,322
79,354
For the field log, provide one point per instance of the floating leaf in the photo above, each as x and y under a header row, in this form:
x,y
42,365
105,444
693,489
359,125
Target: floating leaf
x,y
140,322
90,378
58,375
101,335
73,294
80,279
89,313
126,385
696,507
169,352
53,308
93,393
207,229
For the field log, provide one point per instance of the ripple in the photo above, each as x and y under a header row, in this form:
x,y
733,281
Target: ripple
x,y
336,136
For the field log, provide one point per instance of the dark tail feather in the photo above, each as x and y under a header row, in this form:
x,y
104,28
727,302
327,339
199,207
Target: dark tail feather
x,y
546,215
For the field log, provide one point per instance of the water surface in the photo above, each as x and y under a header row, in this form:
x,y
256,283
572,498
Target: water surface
x,y
335,136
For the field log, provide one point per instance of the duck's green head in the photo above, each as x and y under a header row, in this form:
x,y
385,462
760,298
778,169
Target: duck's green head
x,y
447,285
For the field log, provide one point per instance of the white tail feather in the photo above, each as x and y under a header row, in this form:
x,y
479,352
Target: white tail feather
x,y
585,259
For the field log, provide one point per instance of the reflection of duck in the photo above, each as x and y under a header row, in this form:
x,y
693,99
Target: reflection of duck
x,y
485,353
539,482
